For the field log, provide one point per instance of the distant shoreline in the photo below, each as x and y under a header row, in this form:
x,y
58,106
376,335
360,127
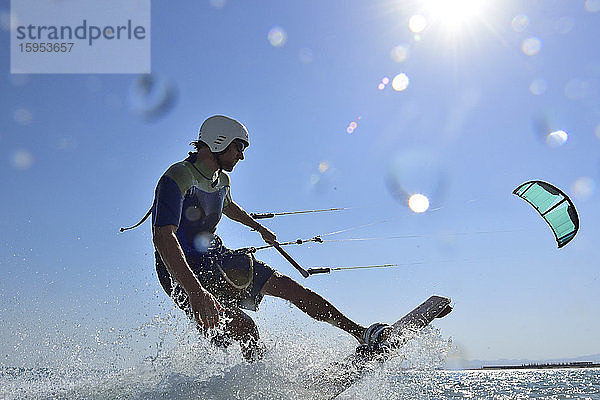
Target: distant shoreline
x,y
576,364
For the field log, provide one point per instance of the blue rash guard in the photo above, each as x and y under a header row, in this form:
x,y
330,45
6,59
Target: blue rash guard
x,y
192,198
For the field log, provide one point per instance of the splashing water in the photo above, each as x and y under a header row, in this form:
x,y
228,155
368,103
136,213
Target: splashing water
x,y
173,362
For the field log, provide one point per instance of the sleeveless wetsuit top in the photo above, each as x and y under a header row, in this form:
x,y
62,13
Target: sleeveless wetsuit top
x,y
192,198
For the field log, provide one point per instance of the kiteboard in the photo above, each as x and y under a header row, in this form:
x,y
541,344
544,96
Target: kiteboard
x,y
340,375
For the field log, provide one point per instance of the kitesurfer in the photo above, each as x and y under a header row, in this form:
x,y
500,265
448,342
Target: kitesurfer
x,y
209,281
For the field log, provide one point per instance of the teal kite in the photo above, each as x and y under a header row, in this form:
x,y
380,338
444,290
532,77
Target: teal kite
x,y
554,206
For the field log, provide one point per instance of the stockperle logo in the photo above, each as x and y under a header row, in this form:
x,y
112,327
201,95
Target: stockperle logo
x,y
82,36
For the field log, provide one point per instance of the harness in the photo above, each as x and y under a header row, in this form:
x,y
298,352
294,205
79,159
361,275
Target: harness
x,y
231,264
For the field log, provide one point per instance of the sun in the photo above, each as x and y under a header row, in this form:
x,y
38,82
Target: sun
x,y
453,14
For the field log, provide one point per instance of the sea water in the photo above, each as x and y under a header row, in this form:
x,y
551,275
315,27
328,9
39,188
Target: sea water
x,y
262,382
166,359
539,384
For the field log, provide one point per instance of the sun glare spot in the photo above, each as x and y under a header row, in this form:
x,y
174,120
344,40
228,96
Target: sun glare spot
x,y
592,5
538,87
597,131
399,53
531,46
193,213
557,138
323,166
417,23
202,242
418,203
520,23
22,159
583,187
352,126
306,55
277,36
383,83
564,25
23,116
400,82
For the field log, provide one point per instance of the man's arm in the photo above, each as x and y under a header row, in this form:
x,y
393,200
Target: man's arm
x,y
237,213
204,306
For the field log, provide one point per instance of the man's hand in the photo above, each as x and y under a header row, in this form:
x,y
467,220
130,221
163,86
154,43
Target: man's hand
x,y
205,308
267,235
236,213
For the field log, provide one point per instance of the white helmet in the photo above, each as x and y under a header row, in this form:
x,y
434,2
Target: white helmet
x,y
218,131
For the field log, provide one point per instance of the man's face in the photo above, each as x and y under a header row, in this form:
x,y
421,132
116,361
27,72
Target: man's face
x,y
233,153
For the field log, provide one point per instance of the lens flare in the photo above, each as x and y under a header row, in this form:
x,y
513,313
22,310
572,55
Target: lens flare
x,y
352,126
520,23
152,97
531,46
383,83
202,242
557,138
416,174
193,213
306,55
417,23
323,166
322,180
583,188
418,203
314,179
564,25
400,82
538,87
277,36
22,159
399,53
592,5
23,116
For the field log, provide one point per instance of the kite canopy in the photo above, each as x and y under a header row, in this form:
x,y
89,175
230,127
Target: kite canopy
x,y
554,206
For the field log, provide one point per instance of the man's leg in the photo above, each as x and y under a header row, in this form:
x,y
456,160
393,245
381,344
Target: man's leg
x,y
311,303
239,326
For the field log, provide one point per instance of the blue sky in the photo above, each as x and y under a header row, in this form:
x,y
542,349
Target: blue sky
x,y
78,162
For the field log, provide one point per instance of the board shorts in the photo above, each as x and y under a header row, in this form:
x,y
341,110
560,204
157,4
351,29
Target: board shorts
x,y
219,271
